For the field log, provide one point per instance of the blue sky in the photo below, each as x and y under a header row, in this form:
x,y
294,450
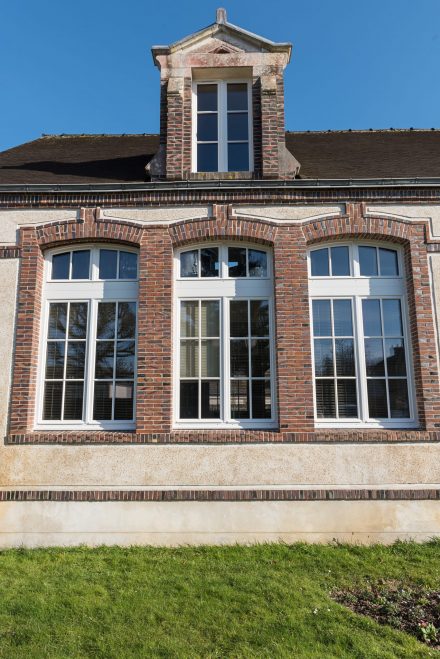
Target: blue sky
x,y
85,66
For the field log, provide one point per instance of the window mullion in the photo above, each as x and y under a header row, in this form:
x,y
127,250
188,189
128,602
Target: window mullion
x,y
225,366
222,127
251,416
90,360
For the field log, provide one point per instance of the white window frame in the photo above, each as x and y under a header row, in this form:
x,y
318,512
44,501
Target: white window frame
x,y
223,288
92,291
222,126
357,287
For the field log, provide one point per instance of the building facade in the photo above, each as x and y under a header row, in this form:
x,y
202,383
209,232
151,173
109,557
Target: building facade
x,y
225,332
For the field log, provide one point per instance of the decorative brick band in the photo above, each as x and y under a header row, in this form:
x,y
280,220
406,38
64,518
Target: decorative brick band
x,y
226,496
7,252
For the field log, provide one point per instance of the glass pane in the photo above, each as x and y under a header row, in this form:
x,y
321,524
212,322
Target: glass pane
x,y
340,262
392,318
344,349
260,358
395,355
238,312
342,318
259,317
106,320
257,263
104,359
261,402
210,399
60,265
237,261
207,127
238,126
209,262
377,399
399,402
108,262
73,401
78,320
323,357
371,317
210,319
321,318
325,399
207,98
57,320
237,96
125,359
368,261
81,264
319,263
126,320
102,401
76,358
189,359
188,263
238,157
240,399
53,394
207,158
388,262
239,358
374,357
127,265
347,401
55,360
123,401
210,358
189,319
189,400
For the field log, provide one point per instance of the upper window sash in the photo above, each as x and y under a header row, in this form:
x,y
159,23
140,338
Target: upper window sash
x,y
363,260
88,263
234,261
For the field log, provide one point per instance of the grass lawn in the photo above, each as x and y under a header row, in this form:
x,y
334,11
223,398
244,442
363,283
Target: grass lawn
x,y
259,601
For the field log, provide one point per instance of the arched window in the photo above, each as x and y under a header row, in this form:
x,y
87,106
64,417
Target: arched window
x,y
88,351
361,347
224,337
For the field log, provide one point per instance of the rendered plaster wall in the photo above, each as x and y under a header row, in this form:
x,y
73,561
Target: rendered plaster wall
x,y
8,294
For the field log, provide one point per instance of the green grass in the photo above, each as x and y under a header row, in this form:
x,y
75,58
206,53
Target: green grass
x,y
259,601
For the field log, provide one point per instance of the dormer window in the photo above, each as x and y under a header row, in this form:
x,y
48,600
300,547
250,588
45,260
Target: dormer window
x,y
222,127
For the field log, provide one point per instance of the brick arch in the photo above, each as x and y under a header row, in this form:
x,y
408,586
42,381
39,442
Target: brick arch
x,y
206,229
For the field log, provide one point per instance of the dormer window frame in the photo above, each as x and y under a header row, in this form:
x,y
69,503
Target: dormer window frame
x,y
222,124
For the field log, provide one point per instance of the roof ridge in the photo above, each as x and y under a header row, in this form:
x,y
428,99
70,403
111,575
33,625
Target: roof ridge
x,y
49,135
364,130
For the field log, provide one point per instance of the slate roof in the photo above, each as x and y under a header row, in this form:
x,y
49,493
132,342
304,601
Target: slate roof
x,y
58,159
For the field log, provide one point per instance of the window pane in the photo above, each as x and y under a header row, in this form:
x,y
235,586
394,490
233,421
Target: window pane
x,y
325,399
76,358
260,358
259,317
207,158
210,319
207,127
371,317
377,399
257,263
347,401
319,263
392,318
53,394
106,320
125,359
344,349
57,320
210,399
126,320
209,262
399,402
323,357
395,355
123,401
78,320
238,126
189,319
238,157
189,359
237,96
104,359
340,261
206,98
189,400
237,261
55,360
261,402
60,265
102,401
127,265
240,399
81,264
108,262
388,262
210,358
239,358
238,312
73,401
188,263
342,318
374,357
368,261
321,318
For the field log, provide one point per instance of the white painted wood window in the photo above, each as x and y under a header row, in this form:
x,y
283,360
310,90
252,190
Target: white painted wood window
x,y
87,374
224,352
360,337
222,126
